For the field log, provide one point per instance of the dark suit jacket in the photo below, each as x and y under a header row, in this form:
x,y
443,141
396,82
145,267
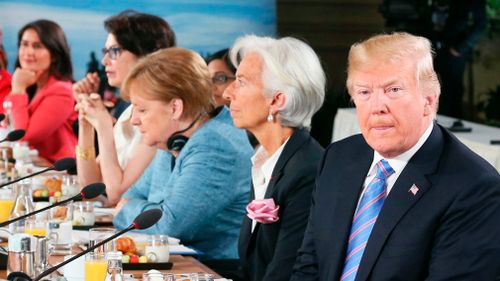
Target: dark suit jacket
x,y
270,251
448,230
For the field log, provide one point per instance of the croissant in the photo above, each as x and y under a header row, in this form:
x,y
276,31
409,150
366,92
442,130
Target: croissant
x,y
125,245
53,184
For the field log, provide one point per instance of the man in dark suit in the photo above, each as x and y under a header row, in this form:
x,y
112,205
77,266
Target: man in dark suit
x,y
406,200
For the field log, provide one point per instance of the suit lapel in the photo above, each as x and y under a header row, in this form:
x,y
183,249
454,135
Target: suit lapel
x,y
338,220
246,230
298,138
401,198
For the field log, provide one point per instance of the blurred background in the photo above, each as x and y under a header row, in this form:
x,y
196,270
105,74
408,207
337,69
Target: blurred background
x,y
329,26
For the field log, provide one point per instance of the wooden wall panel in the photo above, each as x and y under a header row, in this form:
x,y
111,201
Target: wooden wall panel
x,y
330,27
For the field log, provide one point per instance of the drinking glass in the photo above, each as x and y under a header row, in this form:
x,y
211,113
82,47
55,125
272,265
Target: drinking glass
x,y
21,151
157,276
196,276
97,235
157,249
4,163
96,267
201,277
60,228
36,228
6,204
70,186
83,213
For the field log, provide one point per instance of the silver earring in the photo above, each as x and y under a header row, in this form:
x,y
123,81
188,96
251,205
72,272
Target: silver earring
x,y
270,117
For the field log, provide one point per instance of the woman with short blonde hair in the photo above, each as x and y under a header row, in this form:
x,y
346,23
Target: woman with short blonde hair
x,y
200,176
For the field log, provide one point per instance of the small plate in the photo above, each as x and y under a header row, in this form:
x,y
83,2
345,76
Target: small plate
x,y
147,266
40,198
96,224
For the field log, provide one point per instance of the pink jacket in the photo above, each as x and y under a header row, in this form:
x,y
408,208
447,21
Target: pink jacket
x,y
5,80
47,119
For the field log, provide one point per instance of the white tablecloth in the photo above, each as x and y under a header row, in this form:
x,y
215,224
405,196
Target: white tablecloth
x,y
346,124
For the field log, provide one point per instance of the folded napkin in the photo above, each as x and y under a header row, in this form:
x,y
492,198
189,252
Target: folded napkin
x,y
264,211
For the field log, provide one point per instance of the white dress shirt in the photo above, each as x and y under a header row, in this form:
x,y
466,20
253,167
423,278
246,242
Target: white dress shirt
x,y
397,163
127,137
262,169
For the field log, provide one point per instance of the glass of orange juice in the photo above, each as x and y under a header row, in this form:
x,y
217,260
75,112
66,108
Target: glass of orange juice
x,y
6,204
36,228
95,266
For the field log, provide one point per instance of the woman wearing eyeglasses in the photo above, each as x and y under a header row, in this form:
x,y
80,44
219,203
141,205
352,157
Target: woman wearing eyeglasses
x,y
41,98
122,158
222,72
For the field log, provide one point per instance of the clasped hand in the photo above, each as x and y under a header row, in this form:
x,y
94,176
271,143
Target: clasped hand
x,y
22,79
89,104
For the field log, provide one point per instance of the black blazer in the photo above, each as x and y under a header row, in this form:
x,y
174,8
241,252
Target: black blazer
x,y
270,251
448,230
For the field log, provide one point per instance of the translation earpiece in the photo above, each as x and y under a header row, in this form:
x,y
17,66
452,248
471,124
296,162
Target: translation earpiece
x,y
176,142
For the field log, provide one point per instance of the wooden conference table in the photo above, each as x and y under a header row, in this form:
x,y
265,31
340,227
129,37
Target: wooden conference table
x,y
182,264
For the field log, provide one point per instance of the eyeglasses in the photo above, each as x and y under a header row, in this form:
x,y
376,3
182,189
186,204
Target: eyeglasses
x,y
113,52
221,78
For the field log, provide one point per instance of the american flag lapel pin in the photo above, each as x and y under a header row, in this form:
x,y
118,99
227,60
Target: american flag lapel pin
x,y
413,189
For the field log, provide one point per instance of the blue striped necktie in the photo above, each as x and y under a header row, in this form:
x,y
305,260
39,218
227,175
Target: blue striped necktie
x,y
364,219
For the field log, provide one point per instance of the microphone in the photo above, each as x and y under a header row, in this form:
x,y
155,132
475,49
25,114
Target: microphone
x,y
89,192
14,135
59,165
144,220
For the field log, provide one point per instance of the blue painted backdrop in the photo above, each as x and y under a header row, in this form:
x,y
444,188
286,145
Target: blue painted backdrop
x,y
202,25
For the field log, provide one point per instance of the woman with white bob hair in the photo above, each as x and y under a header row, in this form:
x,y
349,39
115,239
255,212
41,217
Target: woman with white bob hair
x,y
279,85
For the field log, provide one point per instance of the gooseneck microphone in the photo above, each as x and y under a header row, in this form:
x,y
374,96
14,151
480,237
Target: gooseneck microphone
x,y
59,165
14,135
144,220
89,192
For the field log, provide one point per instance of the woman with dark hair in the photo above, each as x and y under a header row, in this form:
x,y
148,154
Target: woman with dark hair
x,y
222,72
41,97
122,158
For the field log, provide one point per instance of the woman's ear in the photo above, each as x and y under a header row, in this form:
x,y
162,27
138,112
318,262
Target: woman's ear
x,y
278,102
177,108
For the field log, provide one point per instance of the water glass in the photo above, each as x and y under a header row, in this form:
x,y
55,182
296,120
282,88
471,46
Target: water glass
x,y
21,151
155,275
70,186
97,235
60,228
157,249
83,213
4,163
199,276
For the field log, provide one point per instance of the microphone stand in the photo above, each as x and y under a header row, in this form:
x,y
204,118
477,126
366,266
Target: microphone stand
x,y
54,268
28,176
78,196
144,220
